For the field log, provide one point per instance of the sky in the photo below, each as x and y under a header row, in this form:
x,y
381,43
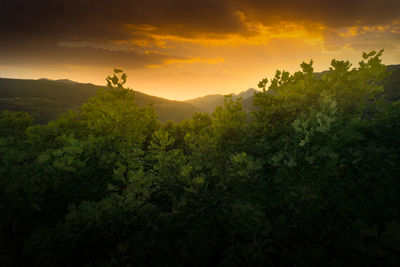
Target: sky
x,y
181,49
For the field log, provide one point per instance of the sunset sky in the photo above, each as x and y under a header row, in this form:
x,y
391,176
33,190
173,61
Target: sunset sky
x,y
180,49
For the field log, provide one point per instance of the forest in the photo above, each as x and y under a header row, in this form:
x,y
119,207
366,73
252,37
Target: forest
x,y
309,177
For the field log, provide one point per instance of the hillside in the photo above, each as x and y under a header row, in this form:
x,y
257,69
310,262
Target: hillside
x,y
45,99
210,102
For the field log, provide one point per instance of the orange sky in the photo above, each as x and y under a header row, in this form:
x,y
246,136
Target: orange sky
x,y
181,49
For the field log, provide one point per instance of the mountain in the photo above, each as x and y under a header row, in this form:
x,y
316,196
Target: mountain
x,y
246,94
210,102
45,99
207,103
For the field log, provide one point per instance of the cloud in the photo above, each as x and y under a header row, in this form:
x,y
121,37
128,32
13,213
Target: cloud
x,y
134,26
362,38
128,19
199,36
105,20
84,54
332,13
191,60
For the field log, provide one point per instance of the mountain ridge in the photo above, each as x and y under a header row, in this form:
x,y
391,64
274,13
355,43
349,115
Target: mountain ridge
x,y
45,99
210,102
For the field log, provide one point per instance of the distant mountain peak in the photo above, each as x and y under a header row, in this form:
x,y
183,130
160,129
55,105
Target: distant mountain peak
x,y
59,80
248,93
210,102
46,98
66,81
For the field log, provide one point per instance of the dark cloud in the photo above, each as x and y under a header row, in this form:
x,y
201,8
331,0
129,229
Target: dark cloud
x,y
332,13
50,53
100,19
31,31
107,20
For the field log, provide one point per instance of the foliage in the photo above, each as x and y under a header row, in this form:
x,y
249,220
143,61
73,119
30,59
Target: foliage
x,y
310,177
45,99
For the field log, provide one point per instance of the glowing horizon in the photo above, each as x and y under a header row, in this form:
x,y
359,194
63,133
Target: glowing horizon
x,y
186,49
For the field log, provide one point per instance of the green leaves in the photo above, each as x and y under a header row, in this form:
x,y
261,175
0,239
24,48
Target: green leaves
x,y
307,68
117,80
263,83
161,140
14,123
370,54
44,158
315,165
